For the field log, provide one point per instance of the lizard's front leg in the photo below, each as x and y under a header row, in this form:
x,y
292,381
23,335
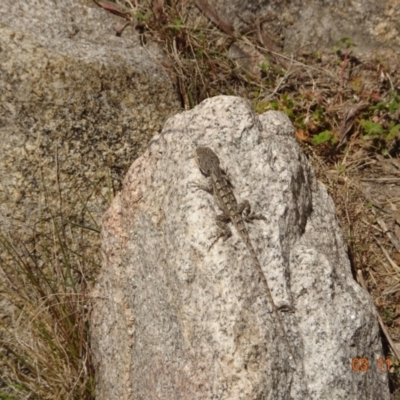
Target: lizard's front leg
x,y
207,188
244,208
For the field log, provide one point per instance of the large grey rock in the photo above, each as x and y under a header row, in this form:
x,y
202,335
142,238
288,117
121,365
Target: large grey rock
x,y
173,319
320,24
77,105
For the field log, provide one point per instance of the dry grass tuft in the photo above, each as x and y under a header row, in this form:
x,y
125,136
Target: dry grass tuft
x,y
44,332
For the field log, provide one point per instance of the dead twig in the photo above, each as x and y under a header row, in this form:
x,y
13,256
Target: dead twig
x,y
209,11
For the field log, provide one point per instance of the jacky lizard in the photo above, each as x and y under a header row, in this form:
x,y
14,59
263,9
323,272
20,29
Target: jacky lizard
x,y
220,186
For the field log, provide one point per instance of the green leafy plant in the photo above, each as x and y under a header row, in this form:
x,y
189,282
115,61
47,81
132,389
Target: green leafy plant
x,y
142,17
376,130
388,316
390,105
344,42
372,129
324,137
393,131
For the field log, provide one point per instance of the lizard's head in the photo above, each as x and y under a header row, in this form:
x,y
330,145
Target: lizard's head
x,y
206,160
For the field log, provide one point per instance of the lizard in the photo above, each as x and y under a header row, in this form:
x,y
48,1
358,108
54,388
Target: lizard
x,y
221,187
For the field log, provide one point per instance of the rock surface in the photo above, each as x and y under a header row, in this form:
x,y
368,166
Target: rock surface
x,y
173,319
319,25
78,103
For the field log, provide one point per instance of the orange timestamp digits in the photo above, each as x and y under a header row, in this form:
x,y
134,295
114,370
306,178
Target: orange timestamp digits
x,y
362,364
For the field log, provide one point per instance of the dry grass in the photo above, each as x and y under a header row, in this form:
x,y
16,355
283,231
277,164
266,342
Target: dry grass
x,y
44,333
346,113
